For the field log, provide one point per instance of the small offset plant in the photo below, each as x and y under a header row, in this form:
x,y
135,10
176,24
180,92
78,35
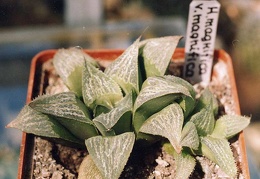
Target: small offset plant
x,y
132,100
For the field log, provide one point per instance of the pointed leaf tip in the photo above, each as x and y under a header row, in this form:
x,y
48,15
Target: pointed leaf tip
x,y
124,70
189,136
157,54
34,122
219,151
167,123
229,125
99,88
110,154
185,165
68,64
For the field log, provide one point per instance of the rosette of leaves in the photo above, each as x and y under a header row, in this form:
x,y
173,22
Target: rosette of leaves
x,y
132,99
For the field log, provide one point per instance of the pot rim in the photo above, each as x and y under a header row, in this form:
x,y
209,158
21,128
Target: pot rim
x,y
25,168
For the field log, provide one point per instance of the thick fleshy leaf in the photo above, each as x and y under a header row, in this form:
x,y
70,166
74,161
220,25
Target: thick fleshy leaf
x,y
159,86
219,151
204,121
34,122
99,89
65,104
178,80
110,154
206,98
186,102
189,136
88,169
69,65
69,111
106,121
185,165
229,125
79,128
157,54
156,93
124,70
167,123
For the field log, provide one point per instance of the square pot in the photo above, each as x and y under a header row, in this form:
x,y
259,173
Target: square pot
x,y
37,82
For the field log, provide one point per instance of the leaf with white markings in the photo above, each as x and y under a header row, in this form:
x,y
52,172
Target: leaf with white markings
x,y
34,122
205,111
88,169
69,65
157,54
110,154
167,123
229,125
189,136
155,90
186,102
65,104
68,110
204,121
99,89
185,165
124,70
118,119
219,151
206,98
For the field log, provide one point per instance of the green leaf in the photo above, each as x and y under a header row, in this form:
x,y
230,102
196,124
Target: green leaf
x,y
124,70
204,121
155,90
167,123
65,104
185,165
69,111
186,102
74,80
219,151
34,122
189,136
207,98
99,89
110,154
69,64
157,54
205,111
159,86
229,125
120,115
88,169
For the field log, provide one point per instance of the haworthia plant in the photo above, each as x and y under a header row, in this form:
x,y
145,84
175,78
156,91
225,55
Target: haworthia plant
x,y
167,123
189,136
120,115
68,63
34,122
124,70
157,54
134,99
154,90
219,151
98,89
67,109
229,125
185,164
110,154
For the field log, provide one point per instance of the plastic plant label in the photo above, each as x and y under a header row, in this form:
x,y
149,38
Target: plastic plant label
x,y
200,40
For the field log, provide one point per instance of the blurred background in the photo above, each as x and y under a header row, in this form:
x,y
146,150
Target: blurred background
x,y
28,27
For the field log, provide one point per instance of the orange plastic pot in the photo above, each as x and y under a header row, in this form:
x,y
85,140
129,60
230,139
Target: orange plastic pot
x,y
35,88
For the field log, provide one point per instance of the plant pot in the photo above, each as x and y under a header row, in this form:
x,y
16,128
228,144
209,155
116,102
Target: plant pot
x,y
37,83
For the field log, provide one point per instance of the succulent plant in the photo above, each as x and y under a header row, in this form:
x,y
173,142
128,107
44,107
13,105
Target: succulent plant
x,y
132,100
